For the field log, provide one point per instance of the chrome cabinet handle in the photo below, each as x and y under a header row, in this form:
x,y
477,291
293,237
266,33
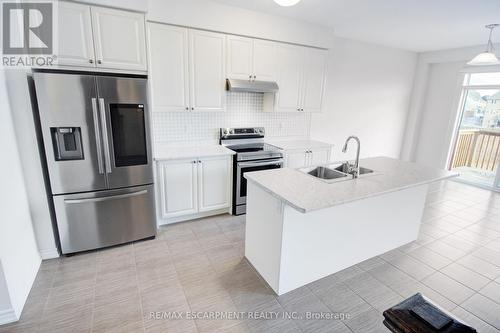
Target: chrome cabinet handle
x,y
97,136
187,108
192,108
105,139
99,62
91,61
254,77
111,197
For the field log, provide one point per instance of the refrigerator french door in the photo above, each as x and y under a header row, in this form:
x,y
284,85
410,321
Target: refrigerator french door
x,y
95,132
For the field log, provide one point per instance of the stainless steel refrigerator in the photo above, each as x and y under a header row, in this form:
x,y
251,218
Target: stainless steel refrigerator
x,y
95,134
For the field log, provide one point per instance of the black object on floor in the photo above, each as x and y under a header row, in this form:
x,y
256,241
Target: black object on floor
x,y
417,314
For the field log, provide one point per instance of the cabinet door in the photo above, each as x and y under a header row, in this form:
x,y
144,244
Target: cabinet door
x,y
207,70
264,60
313,79
239,57
119,39
319,156
178,188
168,67
76,47
213,183
296,158
289,75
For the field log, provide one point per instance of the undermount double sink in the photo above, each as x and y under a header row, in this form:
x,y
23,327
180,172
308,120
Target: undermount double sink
x,y
335,172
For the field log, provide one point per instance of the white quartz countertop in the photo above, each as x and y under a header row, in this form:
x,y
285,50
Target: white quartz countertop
x,y
296,144
307,193
181,152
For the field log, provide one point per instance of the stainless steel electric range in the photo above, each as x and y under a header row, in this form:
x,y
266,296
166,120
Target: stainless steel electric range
x,y
252,154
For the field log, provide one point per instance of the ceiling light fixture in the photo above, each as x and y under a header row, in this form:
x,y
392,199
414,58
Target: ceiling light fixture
x,y
488,57
286,3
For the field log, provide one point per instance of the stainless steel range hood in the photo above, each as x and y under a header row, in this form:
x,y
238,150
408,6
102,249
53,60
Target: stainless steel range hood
x,y
251,86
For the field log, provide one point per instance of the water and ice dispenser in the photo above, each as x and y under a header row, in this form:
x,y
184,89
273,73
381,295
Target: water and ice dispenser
x,y
67,142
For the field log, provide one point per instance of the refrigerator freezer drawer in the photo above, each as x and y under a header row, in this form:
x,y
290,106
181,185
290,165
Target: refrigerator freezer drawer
x,y
93,220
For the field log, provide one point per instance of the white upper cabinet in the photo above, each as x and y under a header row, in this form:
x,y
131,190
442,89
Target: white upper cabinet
x,y
207,70
264,60
119,39
250,59
75,43
97,37
239,56
301,79
168,65
289,77
313,79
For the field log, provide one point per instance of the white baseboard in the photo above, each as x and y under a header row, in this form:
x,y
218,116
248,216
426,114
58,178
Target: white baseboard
x,y
49,253
7,316
189,217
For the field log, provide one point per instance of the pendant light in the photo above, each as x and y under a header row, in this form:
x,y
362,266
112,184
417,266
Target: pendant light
x,y
286,3
488,57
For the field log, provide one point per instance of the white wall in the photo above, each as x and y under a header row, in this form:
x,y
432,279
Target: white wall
x,y
30,161
438,114
18,250
367,94
6,311
434,104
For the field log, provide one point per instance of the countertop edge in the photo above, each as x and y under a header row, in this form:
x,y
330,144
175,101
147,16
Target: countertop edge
x,y
317,144
225,152
304,210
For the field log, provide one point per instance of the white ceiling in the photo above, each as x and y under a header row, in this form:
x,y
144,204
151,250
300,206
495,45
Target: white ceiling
x,y
416,25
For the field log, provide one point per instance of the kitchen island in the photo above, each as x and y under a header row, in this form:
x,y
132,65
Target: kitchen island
x,y
300,228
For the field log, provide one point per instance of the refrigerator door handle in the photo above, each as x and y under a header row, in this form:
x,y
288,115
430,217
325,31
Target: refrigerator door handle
x,y
105,136
97,131
111,197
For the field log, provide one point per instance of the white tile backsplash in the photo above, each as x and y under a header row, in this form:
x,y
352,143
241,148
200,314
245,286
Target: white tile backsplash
x,y
243,110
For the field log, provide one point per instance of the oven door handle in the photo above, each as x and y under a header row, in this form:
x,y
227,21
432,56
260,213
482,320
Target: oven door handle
x,y
253,164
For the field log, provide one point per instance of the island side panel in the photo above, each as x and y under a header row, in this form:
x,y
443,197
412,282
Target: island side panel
x,y
323,242
263,233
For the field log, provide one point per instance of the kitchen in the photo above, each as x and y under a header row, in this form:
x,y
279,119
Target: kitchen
x,y
222,106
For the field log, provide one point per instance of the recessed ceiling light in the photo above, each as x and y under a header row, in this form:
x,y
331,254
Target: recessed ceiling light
x,y
286,3
488,57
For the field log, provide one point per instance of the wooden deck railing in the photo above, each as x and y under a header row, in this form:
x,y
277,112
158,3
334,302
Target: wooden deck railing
x,y
479,149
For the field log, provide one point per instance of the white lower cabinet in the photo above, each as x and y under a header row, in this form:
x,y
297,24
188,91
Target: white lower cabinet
x,y
319,156
213,183
178,183
193,186
296,158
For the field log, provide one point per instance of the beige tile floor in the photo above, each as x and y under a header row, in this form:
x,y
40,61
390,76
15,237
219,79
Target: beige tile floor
x,y
198,267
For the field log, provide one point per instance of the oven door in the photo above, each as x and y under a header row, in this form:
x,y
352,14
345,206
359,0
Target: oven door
x,y
243,167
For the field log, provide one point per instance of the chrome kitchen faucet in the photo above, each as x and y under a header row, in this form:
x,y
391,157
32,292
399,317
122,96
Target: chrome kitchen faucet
x,y
353,169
